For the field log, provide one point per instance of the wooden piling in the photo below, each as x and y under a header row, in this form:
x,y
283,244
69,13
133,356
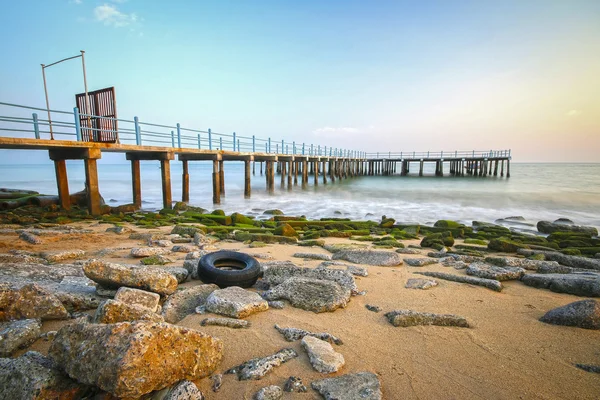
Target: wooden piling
x,y
304,172
502,170
136,183
62,182
93,193
222,177
185,183
316,172
247,188
216,184
295,163
508,168
165,170
496,168
289,174
324,173
271,176
282,171
332,171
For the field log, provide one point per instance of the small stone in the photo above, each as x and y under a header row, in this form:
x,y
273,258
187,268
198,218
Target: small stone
x,y
227,322
185,302
373,308
182,249
419,283
407,318
137,297
369,257
182,390
408,250
180,240
48,336
293,334
322,356
58,256
160,243
487,271
217,382
277,304
582,314
294,384
113,311
30,238
257,368
119,230
313,256
235,302
148,251
359,386
18,335
269,393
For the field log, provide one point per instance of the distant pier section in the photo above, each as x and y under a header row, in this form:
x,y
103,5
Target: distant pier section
x,y
63,136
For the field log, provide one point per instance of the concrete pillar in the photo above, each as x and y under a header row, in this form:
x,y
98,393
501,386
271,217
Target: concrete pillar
x,y
421,168
136,183
496,168
185,183
332,170
295,163
304,172
247,188
216,184
282,171
60,167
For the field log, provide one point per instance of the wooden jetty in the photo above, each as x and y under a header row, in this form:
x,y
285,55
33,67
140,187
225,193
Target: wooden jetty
x,y
322,163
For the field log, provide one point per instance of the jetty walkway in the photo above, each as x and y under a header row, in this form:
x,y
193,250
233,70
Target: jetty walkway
x,y
78,136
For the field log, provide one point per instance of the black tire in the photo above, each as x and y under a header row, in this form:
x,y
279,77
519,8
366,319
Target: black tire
x,y
245,273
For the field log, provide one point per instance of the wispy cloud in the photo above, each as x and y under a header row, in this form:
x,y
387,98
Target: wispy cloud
x,y
110,15
574,113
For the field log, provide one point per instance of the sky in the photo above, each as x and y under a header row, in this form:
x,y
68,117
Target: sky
x,y
363,75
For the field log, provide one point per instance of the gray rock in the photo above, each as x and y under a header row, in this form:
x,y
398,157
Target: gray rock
x,y
294,384
420,262
582,314
30,238
184,302
452,262
550,227
181,240
160,243
257,368
532,265
39,272
313,256
18,335
408,251
407,318
183,249
156,260
293,334
30,301
147,236
322,356
310,294
589,368
277,304
580,284
277,274
488,283
419,283
369,257
58,256
569,261
119,230
181,274
227,322
33,376
183,390
235,302
191,265
148,251
217,382
359,386
195,255
487,271
137,297
269,393
373,308
21,259
438,254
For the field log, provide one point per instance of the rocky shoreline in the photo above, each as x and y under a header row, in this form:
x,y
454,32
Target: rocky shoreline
x,y
118,287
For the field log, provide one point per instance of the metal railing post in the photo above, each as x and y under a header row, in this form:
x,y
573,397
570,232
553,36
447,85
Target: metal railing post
x,y
294,148
238,145
282,144
77,124
302,148
234,142
269,146
220,142
36,125
138,133
312,150
199,143
172,139
287,149
473,153
209,139
253,144
178,135
277,148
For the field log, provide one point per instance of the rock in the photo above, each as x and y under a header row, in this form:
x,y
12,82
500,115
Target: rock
x,y
156,260
322,356
313,256
273,212
420,262
275,274
310,294
183,249
359,386
285,230
112,275
294,384
113,311
30,238
259,367
487,271
140,252
407,318
184,302
227,322
440,239
31,301
235,302
39,272
33,376
584,284
506,245
119,230
191,266
488,283
183,390
525,263
408,251
140,298
58,256
269,393
419,283
373,308
549,227
293,334
312,242
217,382
278,305
130,359
147,236
589,368
369,257
582,314
180,274
48,336
569,261
452,262
18,335
159,243
180,240
337,247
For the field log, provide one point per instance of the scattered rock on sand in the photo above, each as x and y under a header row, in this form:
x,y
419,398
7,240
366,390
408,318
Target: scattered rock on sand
x,y
487,271
132,359
488,283
419,283
373,308
532,265
293,334
119,230
408,251
407,318
33,376
259,367
582,314
322,356
18,335
62,255
31,301
277,304
111,275
580,284
184,302
420,262
359,386
140,252
294,384
113,311
551,227
217,382
269,393
569,261
30,238
137,297
235,302
369,257
313,256
183,390
277,274
227,322
183,249
310,294
589,368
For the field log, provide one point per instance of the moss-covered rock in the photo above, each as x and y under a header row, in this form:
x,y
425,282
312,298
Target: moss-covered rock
x,y
180,206
168,211
273,212
387,222
476,241
338,226
441,238
280,218
389,242
285,230
571,252
218,212
311,235
242,236
319,243
445,223
238,218
186,230
257,244
338,234
506,245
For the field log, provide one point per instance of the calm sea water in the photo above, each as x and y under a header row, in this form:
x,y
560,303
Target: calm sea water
x,y
534,191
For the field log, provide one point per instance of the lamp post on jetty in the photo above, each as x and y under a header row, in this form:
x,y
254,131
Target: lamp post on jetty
x,y
87,102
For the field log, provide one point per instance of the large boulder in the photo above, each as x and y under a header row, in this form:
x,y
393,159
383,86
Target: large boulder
x,y
506,245
31,301
184,302
33,376
113,311
132,359
358,386
551,227
17,335
285,230
277,273
583,314
111,275
578,284
310,294
369,257
235,302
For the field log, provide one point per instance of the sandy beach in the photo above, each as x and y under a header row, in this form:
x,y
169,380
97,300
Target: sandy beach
x,y
507,353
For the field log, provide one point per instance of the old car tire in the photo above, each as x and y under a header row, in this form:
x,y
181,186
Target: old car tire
x,y
244,272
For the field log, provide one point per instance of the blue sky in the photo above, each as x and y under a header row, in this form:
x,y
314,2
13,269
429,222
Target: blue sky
x,y
372,75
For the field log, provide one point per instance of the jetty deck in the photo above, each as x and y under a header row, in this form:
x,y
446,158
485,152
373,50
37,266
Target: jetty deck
x,y
63,137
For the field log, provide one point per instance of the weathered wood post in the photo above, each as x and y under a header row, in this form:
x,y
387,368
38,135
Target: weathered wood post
x,y
304,172
62,182
261,167
272,177
222,177
283,174
324,173
165,170
136,183
289,174
421,167
185,183
332,171
316,172
295,163
247,187
502,170
508,168
216,184
496,168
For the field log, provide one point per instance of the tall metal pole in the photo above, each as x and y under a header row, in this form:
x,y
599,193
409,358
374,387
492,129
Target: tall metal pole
x,y
47,103
87,99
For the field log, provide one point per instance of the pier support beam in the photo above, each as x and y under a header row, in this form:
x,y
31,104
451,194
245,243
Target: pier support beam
x,y
324,173
136,183
62,182
222,177
502,170
271,176
91,179
185,183
289,174
165,174
247,188
304,173
216,184
316,172
508,168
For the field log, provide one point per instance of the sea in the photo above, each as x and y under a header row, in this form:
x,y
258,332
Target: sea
x,y
534,191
